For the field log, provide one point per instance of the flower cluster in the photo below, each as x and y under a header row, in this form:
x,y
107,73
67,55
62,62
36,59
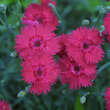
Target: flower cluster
x,y
4,105
36,45
81,51
107,98
78,52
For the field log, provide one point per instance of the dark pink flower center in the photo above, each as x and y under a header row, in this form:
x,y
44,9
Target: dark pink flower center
x,y
39,71
37,43
85,46
40,20
76,68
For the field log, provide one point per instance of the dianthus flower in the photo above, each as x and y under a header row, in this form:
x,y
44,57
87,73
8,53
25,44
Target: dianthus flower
x,y
40,14
35,38
4,105
41,71
106,33
107,98
62,42
76,74
84,45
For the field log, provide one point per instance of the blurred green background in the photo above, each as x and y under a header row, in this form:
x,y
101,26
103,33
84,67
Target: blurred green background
x,y
73,13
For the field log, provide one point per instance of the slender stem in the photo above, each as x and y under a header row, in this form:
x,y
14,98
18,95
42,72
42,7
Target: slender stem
x,y
55,11
98,19
2,21
103,67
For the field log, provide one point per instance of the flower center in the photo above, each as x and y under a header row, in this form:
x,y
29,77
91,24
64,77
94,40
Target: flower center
x,y
85,46
37,43
40,20
39,71
76,68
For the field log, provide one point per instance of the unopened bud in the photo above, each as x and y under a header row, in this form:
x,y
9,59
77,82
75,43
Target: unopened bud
x,y
83,99
13,54
85,22
108,8
21,93
102,10
102,27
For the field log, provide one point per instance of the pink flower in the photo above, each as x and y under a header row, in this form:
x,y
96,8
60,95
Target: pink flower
x,y
80,52
40,14
76,74
106,33
4,105
36,38
41,71
84,45
107,98
62,41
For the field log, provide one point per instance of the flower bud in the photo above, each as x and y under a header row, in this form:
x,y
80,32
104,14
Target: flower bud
x,y
22,93
102,28
108,8
83,99
13,54
102,11
85,22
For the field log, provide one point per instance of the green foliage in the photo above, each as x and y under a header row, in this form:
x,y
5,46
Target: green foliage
x,y
14,90
7,2
78,105
94,3
25,3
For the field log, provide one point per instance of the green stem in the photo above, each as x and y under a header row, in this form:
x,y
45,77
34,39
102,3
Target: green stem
x,y
55,11
103,67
